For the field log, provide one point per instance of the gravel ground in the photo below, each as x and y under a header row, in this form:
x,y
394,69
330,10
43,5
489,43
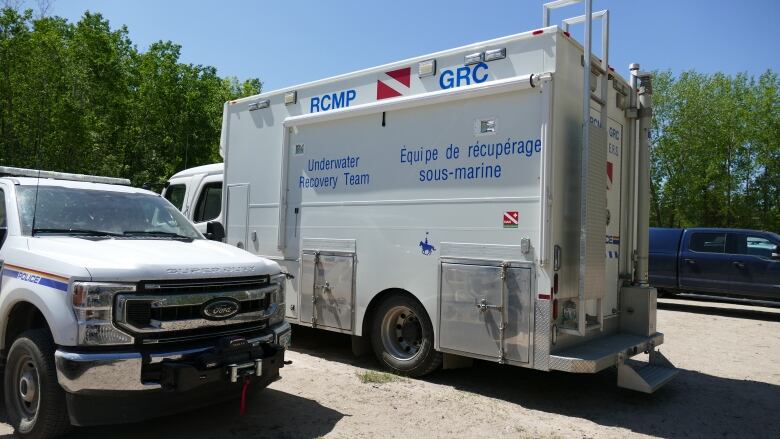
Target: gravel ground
x,y
728,386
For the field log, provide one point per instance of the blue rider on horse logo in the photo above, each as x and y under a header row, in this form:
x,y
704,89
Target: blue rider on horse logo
x,y
427,249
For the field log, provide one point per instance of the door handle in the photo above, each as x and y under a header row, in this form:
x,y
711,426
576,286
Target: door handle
x,y
690,261
738,264
483,306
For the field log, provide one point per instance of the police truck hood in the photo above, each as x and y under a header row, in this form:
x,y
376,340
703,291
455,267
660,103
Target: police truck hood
x,y
129,260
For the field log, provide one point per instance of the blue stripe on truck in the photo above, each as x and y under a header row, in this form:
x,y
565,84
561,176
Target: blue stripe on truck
x,y
35,278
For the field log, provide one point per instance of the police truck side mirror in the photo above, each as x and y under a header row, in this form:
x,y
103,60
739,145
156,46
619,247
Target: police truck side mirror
x,y
215,231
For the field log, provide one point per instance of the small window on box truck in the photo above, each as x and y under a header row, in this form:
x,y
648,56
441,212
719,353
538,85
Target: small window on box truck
x,y
209,202
708,242
175,194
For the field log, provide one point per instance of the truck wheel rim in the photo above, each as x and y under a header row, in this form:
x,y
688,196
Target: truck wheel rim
x,y
402,333
27,387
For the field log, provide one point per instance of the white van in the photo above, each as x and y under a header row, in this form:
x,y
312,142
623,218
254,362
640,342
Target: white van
x,y
197,192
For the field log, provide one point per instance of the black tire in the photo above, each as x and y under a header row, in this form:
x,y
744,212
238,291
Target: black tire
x,y
30,373
414,356
663,292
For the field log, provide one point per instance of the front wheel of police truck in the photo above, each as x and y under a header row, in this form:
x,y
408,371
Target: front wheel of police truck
x,y
34,401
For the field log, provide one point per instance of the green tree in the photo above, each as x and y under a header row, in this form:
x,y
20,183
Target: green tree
x,y
82,98
716,141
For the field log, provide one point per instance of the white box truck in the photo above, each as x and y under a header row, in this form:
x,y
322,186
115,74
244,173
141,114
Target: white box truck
x,y
488,202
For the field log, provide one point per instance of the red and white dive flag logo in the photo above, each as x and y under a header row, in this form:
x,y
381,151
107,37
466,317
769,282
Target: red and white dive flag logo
x,y
511,218
394,84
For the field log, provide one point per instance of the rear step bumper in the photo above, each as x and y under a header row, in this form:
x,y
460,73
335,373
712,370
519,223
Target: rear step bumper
x,y
601,353
614,350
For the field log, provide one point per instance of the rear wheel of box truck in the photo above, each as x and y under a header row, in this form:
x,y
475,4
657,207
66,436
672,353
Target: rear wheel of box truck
x,y
402,337
34,401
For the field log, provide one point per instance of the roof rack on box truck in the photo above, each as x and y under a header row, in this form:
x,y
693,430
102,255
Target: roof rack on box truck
x,y
479,202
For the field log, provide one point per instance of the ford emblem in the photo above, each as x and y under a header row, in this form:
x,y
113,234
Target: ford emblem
x,y
220,309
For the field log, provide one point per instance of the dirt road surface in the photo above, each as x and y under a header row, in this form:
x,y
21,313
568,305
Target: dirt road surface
x,y
728,386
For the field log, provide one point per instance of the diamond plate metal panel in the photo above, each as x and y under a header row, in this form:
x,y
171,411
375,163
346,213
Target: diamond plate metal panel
x,y
542,315
595,216
601,353
572,365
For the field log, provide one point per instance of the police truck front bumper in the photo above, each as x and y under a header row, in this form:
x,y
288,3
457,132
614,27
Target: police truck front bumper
x,y
128,386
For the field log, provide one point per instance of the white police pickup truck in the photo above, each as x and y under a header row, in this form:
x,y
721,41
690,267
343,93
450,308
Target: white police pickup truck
x,y
113,308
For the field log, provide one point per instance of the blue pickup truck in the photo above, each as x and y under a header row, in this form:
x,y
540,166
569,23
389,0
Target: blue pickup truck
x,y
732,262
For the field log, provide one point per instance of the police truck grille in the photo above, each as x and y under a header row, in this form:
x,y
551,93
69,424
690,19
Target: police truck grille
x,y
166,310
192,286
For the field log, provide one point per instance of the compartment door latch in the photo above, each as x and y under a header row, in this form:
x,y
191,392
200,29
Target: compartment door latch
x,y
483,306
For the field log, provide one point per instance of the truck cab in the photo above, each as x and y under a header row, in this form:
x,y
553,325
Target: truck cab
x,y
114,308
197,193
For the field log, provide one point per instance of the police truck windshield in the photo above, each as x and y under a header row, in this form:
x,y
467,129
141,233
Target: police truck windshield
x,y
101,213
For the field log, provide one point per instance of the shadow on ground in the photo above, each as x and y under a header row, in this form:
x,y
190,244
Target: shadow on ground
x,y
270,414
694,404
705,308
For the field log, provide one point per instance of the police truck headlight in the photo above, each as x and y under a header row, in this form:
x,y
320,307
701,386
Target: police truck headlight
x,y
92,304
277,306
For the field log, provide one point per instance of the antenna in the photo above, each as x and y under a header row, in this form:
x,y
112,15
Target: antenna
x,y
38,160
35,203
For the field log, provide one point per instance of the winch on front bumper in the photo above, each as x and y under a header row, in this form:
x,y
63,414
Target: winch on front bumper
x,y
127,386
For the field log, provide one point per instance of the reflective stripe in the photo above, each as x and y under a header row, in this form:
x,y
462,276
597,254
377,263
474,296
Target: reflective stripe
x,y
36,277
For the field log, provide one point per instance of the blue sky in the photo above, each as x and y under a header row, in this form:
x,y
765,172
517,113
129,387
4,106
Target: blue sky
x,y
290,42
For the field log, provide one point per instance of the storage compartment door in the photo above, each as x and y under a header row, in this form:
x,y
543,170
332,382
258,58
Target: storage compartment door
x,y
237,211
517,336
475,299
470,309
326,287
306,287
